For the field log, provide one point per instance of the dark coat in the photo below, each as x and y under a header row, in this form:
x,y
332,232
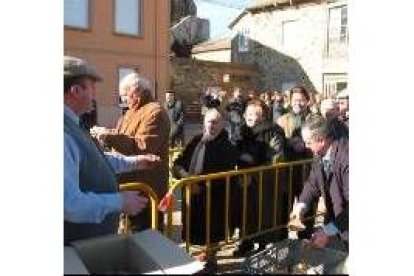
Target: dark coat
x,y
264,142
210,102
260,145
220,155
334,187
337,128
175,112
236,108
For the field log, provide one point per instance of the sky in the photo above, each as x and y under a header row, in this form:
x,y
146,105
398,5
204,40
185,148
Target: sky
x,y
219,16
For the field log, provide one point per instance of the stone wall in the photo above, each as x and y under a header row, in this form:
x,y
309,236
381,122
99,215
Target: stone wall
x,y
190,78
276,70
303,62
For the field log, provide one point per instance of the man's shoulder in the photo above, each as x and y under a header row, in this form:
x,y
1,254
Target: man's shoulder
x,y
193,141
341,149
154,108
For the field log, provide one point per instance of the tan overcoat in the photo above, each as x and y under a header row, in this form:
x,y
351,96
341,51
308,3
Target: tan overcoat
x,y
144,130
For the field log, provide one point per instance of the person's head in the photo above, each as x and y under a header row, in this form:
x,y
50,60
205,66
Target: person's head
x,y
169,95
79,84
278,98
299,98
236,92
256,112
222,94
135,89
315,135
266,96
343,101
329,108
252,94
213,123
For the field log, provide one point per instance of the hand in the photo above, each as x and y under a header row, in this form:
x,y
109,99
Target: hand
x,y
97,130
184,173
297,210
297,144
101,134
133,203
247,158
147,161
319,239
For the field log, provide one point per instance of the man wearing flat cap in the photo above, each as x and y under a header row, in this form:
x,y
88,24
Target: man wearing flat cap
x,y
343,101
91,199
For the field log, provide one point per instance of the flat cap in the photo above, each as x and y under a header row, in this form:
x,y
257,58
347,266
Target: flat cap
x,y
76,67
343,94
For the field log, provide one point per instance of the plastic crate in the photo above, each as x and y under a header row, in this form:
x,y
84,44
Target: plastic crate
x,y
293,257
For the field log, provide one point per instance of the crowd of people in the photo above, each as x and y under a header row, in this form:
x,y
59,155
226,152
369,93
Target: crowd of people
x,y
261,130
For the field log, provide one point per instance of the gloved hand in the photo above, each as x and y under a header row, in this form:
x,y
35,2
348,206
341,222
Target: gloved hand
x,y
295,222
165,203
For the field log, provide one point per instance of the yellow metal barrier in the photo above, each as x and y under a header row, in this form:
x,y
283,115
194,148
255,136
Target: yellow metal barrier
x,y
148,191
245,174
173,153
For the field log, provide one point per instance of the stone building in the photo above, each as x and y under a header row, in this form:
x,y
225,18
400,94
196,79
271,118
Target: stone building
x,y
191,78
294,42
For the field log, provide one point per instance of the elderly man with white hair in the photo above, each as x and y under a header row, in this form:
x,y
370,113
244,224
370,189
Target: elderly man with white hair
x,y
144,128
206,153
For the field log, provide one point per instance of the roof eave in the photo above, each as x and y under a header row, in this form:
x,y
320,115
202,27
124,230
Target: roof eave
x,y
237,19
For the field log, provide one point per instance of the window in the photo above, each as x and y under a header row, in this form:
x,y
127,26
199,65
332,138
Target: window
x,y
123,71
128,17
243,41
333,83
291,39
76,13
338,25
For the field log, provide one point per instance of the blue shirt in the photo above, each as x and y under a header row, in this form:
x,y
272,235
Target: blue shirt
x,y
88,207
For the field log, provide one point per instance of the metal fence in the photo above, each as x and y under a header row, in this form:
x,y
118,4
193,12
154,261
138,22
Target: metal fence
x,y
244,175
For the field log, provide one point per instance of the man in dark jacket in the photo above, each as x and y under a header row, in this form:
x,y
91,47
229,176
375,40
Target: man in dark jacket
x,y
343,101
235,109
328,178
278,106
175,110
206,153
